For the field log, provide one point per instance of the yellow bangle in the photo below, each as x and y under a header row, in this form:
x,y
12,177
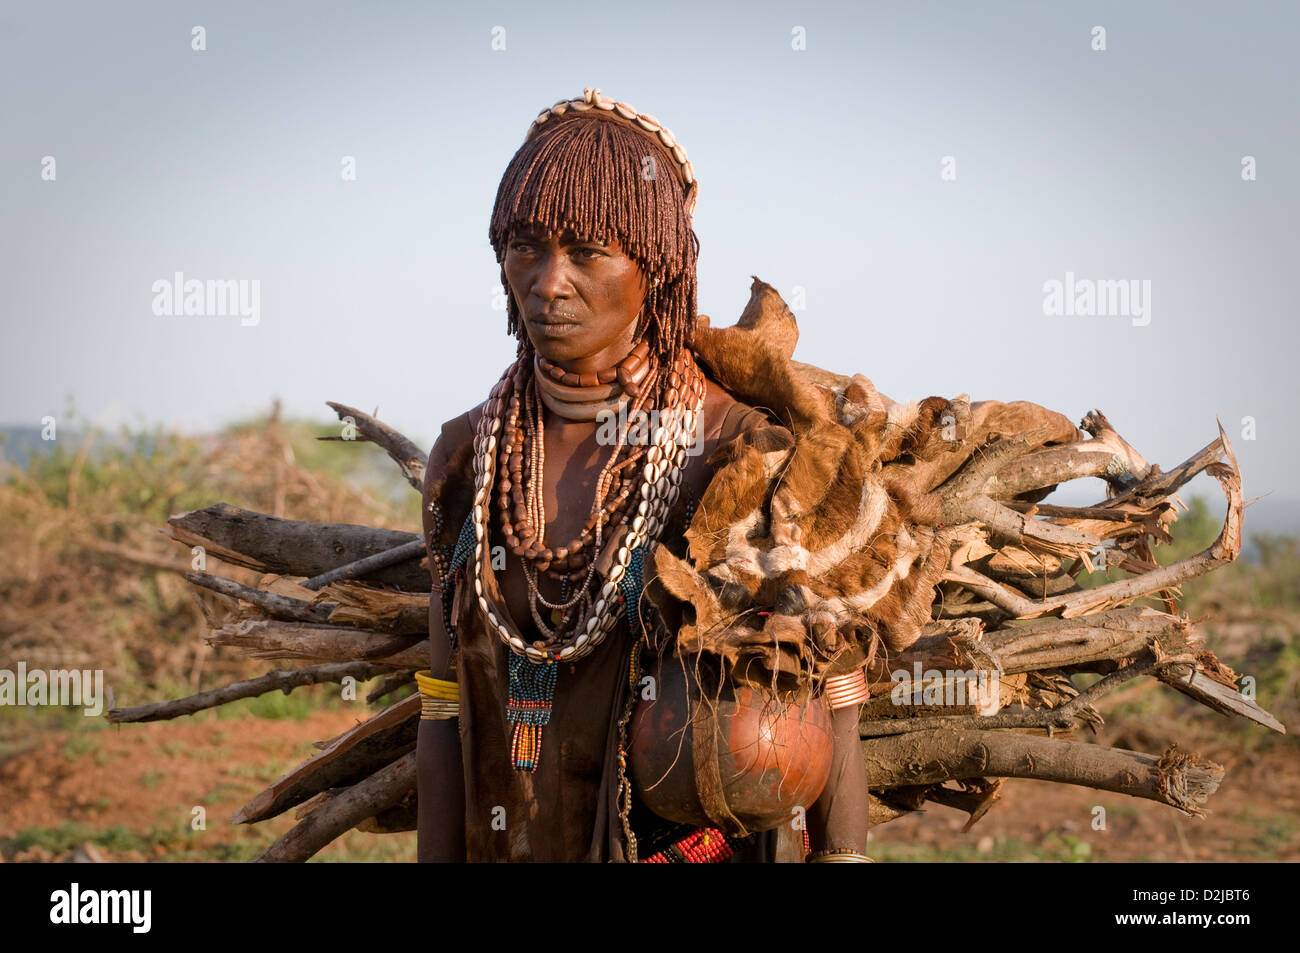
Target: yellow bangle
x,y
437,687
439,698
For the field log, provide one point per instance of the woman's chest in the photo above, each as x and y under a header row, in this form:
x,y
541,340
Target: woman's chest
x,y
570,508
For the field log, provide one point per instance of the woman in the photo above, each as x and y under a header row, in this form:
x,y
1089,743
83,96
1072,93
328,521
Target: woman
x,y
540,505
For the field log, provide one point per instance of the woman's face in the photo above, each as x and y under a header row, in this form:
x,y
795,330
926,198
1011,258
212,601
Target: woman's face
x,y
579,300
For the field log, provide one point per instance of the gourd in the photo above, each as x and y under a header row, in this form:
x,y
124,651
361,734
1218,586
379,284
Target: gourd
x,y
741,758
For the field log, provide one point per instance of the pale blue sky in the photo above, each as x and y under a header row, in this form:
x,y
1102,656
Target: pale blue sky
x,y
818,169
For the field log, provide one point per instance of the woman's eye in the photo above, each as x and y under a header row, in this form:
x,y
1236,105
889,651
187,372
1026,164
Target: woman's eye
x,y
592,252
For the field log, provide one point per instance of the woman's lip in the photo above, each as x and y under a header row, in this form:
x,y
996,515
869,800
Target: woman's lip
x,y
555,327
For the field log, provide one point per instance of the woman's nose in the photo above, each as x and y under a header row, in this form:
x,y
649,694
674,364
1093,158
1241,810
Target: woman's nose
x,y
552,278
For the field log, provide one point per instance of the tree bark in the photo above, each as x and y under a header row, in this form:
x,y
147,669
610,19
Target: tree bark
x,y
925,757
345,760
382,790
286,681
293,547
273,639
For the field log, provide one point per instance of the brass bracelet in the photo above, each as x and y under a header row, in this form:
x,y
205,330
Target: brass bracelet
x,y
844,691
838,855
438,709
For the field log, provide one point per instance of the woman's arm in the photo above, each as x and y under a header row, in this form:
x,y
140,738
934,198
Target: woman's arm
x,y
441,791
840,817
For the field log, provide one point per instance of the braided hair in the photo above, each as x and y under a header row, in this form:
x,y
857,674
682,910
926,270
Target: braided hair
x,y
600,177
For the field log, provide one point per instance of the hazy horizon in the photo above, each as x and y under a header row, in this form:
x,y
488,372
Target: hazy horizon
x,y
825,171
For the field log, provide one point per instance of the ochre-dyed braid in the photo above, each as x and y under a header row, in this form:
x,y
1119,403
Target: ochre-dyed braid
x,y
581,169
592,99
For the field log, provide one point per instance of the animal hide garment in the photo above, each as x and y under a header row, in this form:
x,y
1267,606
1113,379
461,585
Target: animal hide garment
x,y
819,538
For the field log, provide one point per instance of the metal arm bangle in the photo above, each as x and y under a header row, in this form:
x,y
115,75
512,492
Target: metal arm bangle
x,y
437,709
843,691
838,855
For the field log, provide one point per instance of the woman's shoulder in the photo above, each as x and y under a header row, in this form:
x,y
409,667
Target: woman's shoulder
x,y
728,415
461,429
450,463
736,419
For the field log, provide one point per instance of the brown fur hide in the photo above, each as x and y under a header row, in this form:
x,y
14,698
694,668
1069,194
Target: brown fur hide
x,y
819,536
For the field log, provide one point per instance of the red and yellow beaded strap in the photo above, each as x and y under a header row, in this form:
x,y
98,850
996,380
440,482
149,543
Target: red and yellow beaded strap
x,y
704,845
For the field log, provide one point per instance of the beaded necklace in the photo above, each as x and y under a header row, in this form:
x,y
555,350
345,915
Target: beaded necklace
x,y
533,668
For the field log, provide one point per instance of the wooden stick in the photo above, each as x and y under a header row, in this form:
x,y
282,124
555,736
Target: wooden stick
x,y
1157,485
293,547
1223,550
1074,512
368,564
390,683
344,760
274,605
1048,467
974,803
285,681
1057,643
1059,718
383,789
407,455
925,757
271,638
1214,694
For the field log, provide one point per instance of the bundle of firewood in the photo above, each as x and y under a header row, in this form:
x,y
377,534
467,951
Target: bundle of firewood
x,y
1011,622
983,694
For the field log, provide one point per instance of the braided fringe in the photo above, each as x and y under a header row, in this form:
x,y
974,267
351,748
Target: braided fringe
x,y
601,176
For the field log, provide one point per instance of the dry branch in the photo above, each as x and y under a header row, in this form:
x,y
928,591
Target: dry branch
x,y
274,639
291,547
347,759
368,565
285,681
927,757
404,451
382,790
274,605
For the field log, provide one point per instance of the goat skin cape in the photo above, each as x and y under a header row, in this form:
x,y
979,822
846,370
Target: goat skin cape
x,y
819,539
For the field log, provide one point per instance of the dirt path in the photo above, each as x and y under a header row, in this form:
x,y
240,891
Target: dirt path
x,y
133,789
131,792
